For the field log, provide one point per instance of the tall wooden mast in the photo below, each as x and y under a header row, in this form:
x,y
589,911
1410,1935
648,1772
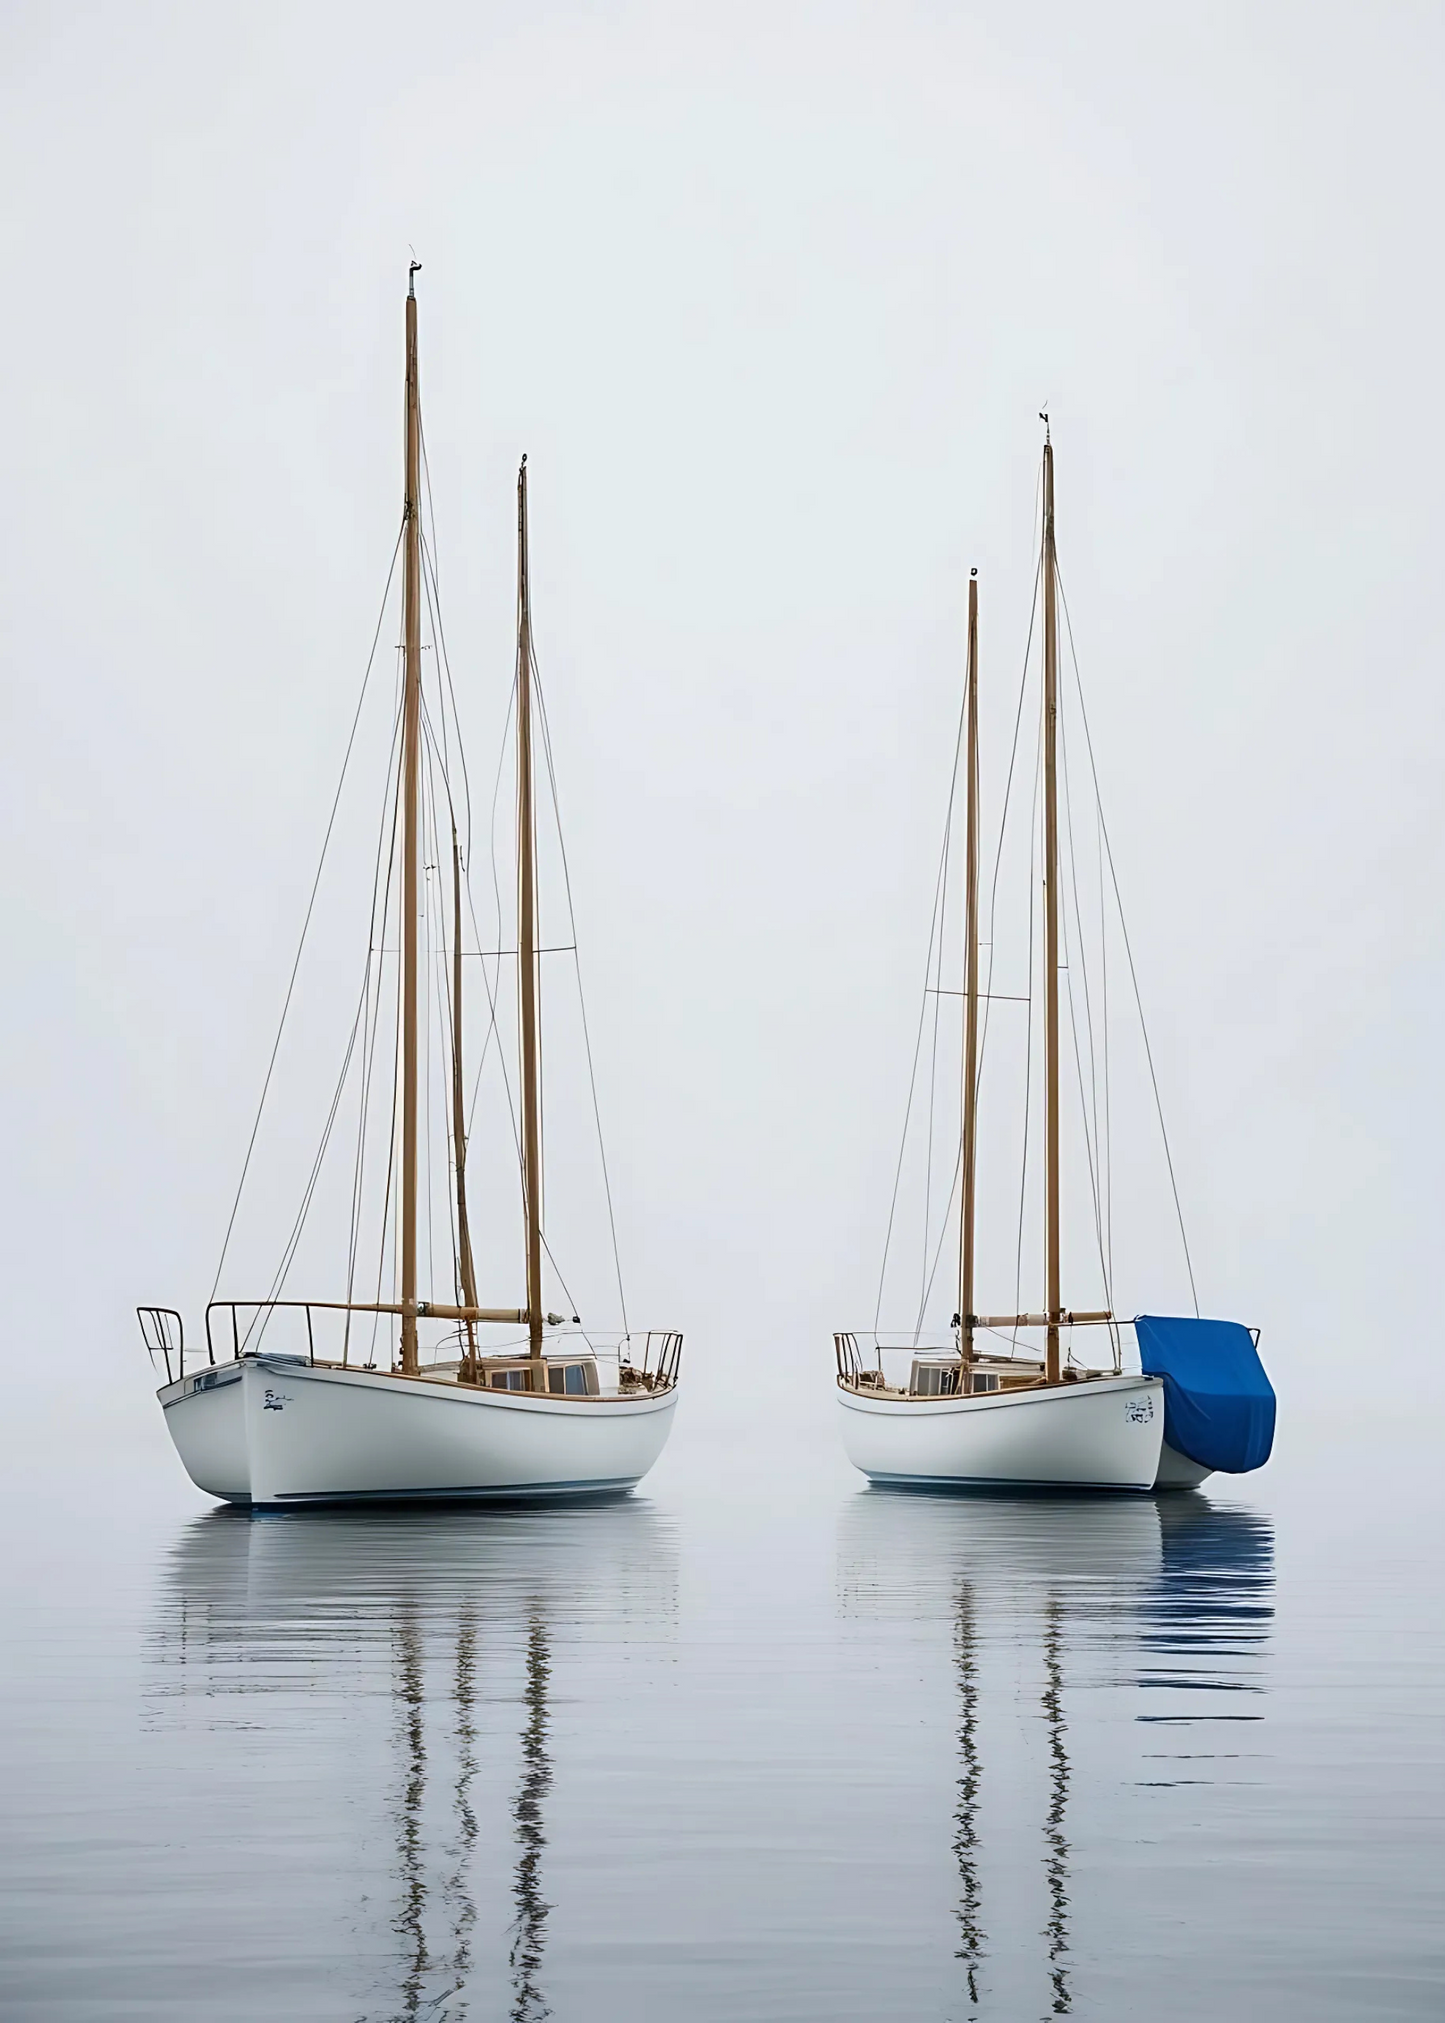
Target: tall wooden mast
x,y
410,834
970,986
466,1269
1052,1302
527,949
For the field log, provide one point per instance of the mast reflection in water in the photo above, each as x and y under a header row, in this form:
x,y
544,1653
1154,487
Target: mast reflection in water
x,y
445,1626
1057,1860
530,1929
1048,1600
965,1841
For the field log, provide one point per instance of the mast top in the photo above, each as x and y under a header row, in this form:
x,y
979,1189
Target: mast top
x,y
1044,418
411,273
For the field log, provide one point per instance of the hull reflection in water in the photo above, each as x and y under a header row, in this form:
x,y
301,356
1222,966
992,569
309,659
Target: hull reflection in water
x,y
424,1649
1043,1604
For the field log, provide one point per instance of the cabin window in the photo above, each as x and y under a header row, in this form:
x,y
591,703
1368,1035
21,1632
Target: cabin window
x,y
984,1380
571,1380
934,1380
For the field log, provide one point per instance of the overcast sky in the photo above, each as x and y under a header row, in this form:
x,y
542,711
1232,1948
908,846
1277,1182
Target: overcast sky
x,y
771,296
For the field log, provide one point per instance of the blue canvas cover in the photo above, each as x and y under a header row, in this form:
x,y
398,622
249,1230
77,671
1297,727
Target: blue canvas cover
x,y
1218,1403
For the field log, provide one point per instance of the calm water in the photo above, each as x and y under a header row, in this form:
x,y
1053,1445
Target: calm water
x,y
726,1750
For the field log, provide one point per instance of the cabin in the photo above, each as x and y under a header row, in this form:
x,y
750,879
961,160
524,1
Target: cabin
x,y
572,1377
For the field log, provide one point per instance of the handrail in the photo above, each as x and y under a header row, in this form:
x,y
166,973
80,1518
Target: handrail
x,y
259,1306
156,1333
657,1370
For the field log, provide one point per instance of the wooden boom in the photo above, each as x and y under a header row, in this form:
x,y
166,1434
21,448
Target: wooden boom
x,y
1053,1321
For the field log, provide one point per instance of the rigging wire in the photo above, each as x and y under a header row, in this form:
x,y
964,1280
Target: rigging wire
x,y
306,923
922,1015
446,1011
1003,818
258,1325
430,583
1129,954
987,992
367,1022
581,994
1090,1102
387,1227
1028,1038
439,752
1070,952
391,801
939,940
492,825
493,988
492,985
943,1234
432,589
438,757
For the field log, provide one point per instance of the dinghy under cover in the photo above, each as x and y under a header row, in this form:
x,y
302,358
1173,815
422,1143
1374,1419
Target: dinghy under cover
x,y
1218,1402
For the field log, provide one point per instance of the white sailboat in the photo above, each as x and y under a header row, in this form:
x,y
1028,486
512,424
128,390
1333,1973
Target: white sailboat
x,y
431,1413
965,1418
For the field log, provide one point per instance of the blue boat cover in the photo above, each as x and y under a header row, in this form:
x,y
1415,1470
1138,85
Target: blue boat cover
x,y
1218,1403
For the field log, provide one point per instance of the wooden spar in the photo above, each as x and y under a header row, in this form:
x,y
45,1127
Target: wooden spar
x,y
459,1113
1052,1368
970,1018
1040,1320
508,1316
511,1317
527,949
410,836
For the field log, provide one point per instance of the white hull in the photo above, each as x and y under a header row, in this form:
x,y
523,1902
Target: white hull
x,y
1177,1471
1107,1433
273,1432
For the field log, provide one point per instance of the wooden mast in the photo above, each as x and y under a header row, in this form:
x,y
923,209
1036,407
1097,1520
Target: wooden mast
x,y
527,950
1052,1301
970,1017
459,1118
410,835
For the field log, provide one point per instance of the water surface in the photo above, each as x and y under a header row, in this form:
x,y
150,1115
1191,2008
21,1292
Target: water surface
x,y
761,1743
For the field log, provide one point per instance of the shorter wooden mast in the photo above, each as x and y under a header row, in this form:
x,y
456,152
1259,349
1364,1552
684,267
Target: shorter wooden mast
x,y
527,951
1052,1299
966,1318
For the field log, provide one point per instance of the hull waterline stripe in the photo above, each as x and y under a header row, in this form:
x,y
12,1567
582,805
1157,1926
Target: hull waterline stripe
x,y
503,1491
947,1483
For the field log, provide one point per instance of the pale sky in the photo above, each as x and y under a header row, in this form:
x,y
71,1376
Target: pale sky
x,y
771,297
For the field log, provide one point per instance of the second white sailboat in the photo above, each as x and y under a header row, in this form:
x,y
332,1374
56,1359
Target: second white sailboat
x,y
969,1415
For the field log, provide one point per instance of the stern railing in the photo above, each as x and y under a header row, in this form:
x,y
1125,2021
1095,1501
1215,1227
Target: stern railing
x,y
661,1361
164,1334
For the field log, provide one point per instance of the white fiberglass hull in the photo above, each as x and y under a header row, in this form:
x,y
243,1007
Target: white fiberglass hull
x,y
1177,1471
284,1434
1106,1433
